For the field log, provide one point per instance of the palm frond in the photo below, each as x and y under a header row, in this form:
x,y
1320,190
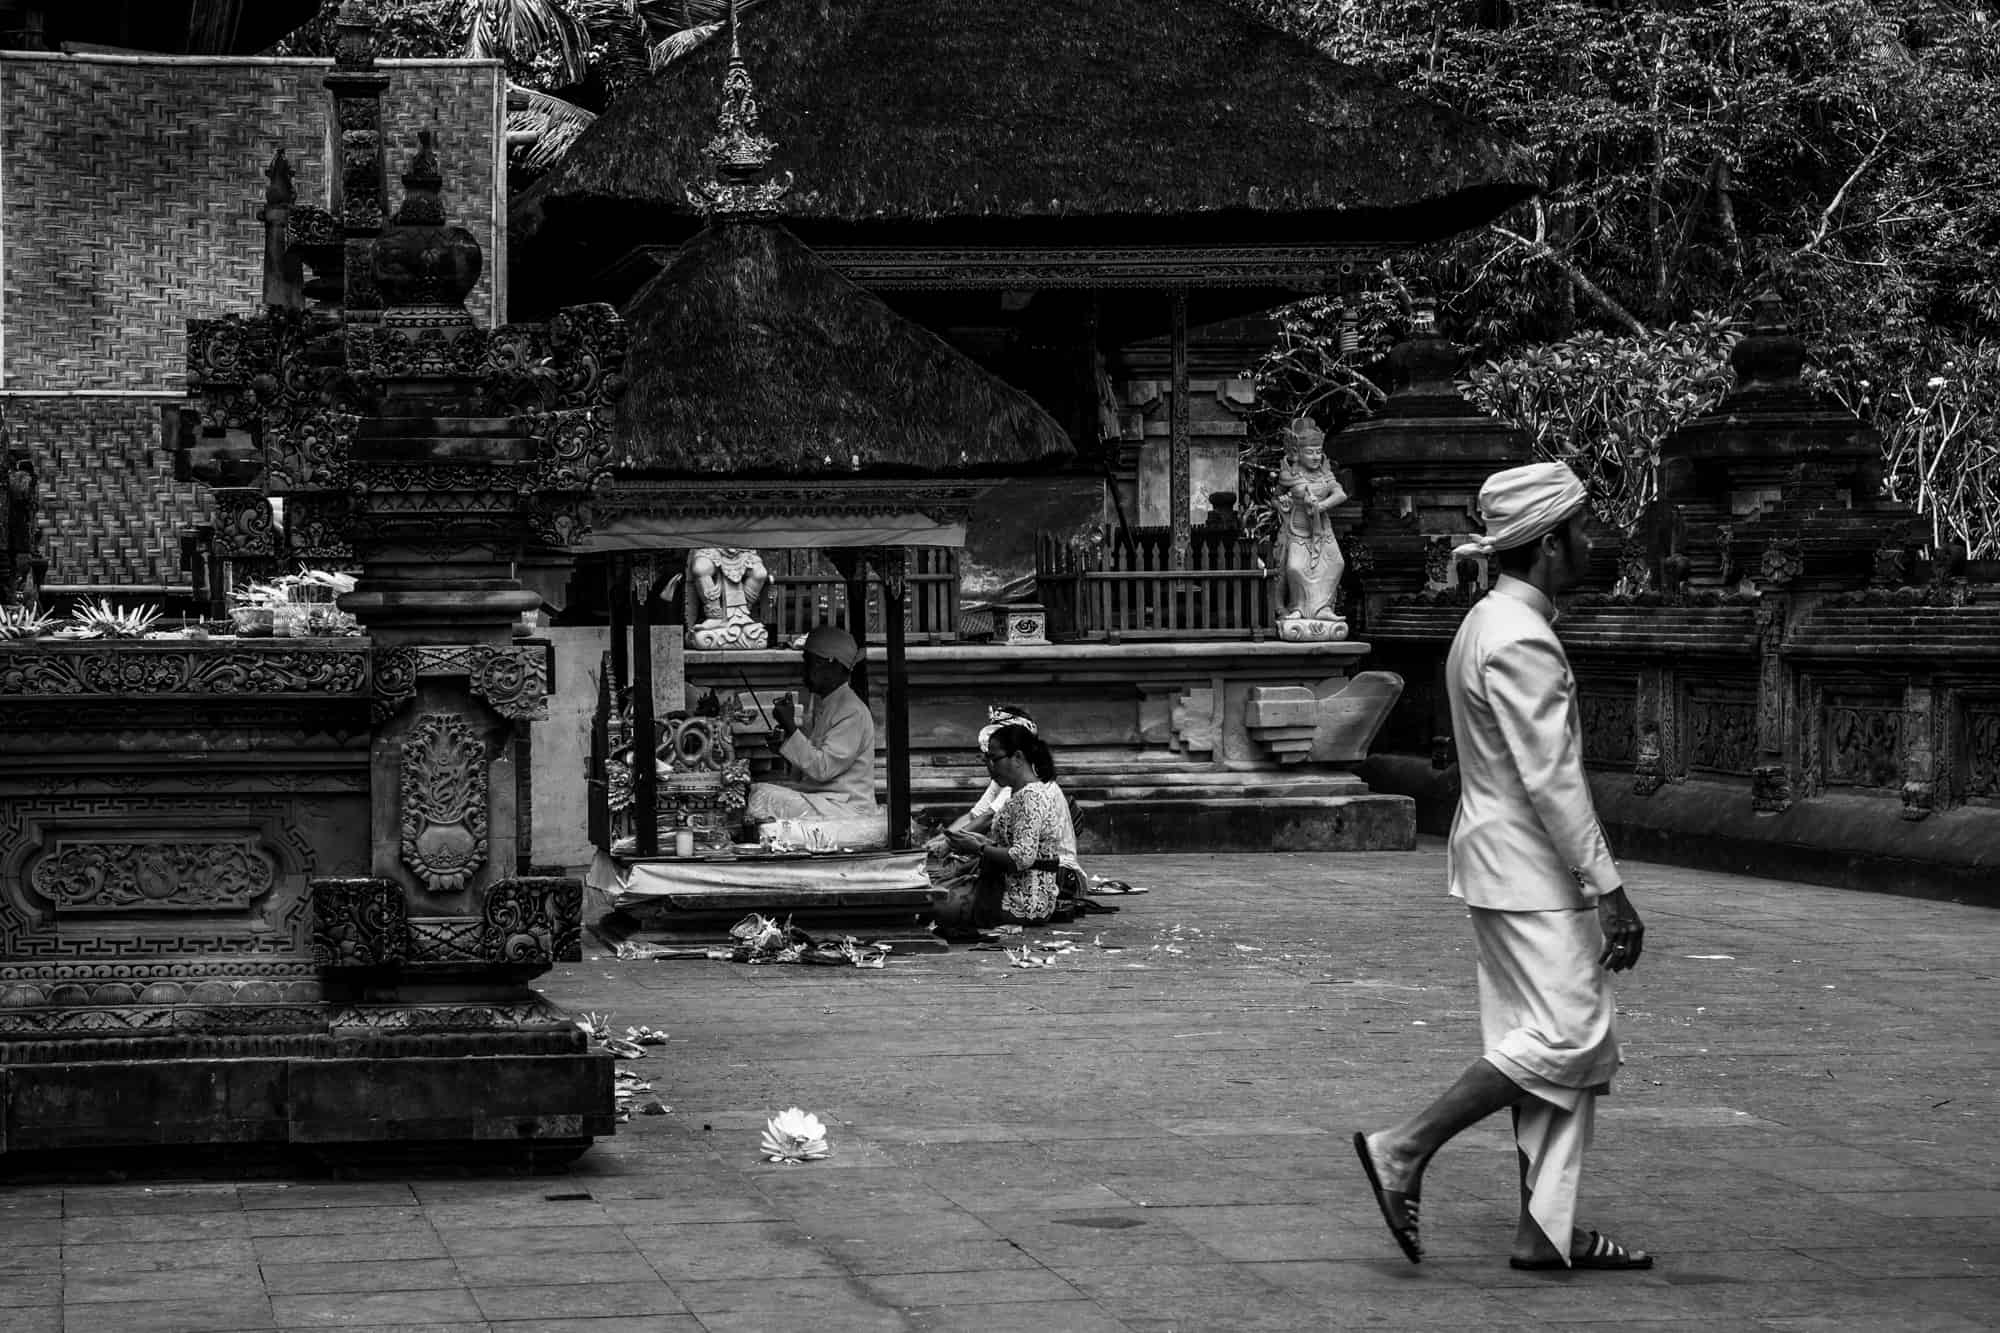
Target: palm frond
x,y
555,124
520,30
676,45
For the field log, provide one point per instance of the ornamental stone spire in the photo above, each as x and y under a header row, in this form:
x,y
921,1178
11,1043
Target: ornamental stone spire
x,y
741,156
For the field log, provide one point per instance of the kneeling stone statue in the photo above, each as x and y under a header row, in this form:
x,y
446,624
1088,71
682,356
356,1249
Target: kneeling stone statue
x,y
728,582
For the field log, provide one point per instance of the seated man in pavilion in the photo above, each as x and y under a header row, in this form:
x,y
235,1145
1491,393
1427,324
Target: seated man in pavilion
x,y
831,753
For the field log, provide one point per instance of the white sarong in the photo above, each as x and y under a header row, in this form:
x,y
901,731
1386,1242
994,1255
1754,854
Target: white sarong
x,y
1548,1021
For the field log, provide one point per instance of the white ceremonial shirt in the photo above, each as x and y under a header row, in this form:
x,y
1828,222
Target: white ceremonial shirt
x,y
1526,836
833,754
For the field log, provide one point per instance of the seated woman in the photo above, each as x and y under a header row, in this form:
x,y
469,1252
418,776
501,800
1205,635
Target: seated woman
x,y
979,819
1017,864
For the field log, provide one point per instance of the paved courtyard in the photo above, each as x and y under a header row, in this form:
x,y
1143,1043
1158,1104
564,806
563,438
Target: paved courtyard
x,y
1153,1135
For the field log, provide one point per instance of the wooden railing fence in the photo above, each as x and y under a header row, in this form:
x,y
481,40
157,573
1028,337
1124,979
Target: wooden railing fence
x,y
806,591
1119,591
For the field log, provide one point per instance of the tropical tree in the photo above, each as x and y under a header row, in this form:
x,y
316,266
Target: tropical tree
x,y
1845,153
566,59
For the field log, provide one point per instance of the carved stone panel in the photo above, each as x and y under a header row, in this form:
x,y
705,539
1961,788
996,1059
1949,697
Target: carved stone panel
x,y
359,923
1982,747
532,920
125,878
1608,709
444,802
1862,736
1721,721
162,874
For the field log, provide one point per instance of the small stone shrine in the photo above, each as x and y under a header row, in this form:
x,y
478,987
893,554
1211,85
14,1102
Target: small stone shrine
x,y
1783,675
268,894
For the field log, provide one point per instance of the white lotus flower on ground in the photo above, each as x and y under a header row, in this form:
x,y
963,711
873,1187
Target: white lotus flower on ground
x,y
794,1135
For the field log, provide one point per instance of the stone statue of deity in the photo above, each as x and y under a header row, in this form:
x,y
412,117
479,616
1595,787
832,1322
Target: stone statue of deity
x,y
1309,561
726,583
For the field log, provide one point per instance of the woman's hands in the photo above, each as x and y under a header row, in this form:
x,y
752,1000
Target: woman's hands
x,y
964,841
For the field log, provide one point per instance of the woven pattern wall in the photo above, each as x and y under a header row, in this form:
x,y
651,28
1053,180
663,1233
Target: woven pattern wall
x,y
129,193
112,512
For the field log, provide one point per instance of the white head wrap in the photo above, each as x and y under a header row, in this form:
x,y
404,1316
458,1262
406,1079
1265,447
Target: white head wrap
x,y
1520,505
1000,717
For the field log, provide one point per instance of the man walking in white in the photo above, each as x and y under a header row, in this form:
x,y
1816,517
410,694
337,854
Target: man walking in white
x,y
1549,912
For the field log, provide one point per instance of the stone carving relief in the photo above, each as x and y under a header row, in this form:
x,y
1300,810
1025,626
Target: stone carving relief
x,y
1610,725
1722,731
161,875
358,923
513,680
165,878
1863,741
444,802
532,919
1982,749
202,670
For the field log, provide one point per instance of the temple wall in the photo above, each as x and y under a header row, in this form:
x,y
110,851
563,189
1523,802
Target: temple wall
x,y
130,188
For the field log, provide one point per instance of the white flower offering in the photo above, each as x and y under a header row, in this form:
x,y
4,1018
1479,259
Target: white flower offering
x,y
794,1135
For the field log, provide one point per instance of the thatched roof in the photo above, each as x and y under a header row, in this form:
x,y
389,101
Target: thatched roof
x,y
1051,119
751,357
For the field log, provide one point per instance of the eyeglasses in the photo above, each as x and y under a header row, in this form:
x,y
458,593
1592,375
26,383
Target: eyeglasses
x,y
992,757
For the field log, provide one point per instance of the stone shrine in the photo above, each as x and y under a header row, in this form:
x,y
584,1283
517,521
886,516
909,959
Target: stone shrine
x,y
270,895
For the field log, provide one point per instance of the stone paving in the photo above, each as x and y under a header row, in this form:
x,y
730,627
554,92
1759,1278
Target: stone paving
x,y
1154,1136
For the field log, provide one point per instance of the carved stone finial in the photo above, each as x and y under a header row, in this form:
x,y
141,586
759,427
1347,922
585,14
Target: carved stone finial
x,y
424,269
423,186
354,36
740,154
1768,359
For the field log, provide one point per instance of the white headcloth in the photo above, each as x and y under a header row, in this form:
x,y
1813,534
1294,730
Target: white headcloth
x,y
1000,717
1521,504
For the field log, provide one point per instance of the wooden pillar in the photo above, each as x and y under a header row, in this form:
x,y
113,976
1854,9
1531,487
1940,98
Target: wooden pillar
x,y
618,590
645,771
853,567
1180,486
890,562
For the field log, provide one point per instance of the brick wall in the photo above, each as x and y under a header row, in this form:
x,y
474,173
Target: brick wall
x,y
129,192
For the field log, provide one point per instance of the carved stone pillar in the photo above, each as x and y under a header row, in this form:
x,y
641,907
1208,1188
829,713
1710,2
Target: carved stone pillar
x,y
1921,735
1770,776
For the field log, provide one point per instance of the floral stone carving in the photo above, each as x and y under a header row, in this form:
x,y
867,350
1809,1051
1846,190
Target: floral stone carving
x,y
359,923
533,919
444,802
159,875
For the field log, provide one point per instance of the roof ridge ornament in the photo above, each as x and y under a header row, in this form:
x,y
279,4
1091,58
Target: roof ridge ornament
x,y
740,154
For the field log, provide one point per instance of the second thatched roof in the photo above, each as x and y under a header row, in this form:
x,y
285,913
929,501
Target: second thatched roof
x,y
750,357
1048,119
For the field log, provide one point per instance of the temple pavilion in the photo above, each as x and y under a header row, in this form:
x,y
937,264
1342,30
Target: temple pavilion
x,y
982,176
1044,183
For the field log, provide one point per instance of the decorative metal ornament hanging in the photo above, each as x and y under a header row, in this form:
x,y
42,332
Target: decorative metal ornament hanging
x,y
741,155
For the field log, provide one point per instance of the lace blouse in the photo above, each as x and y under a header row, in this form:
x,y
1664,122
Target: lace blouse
x,y
1032,827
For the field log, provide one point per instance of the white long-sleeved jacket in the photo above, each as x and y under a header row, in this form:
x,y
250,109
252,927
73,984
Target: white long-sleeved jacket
x,y
1526,836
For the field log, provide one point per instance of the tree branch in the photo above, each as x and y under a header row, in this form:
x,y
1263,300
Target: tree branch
x,y
1564,265
1840,197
